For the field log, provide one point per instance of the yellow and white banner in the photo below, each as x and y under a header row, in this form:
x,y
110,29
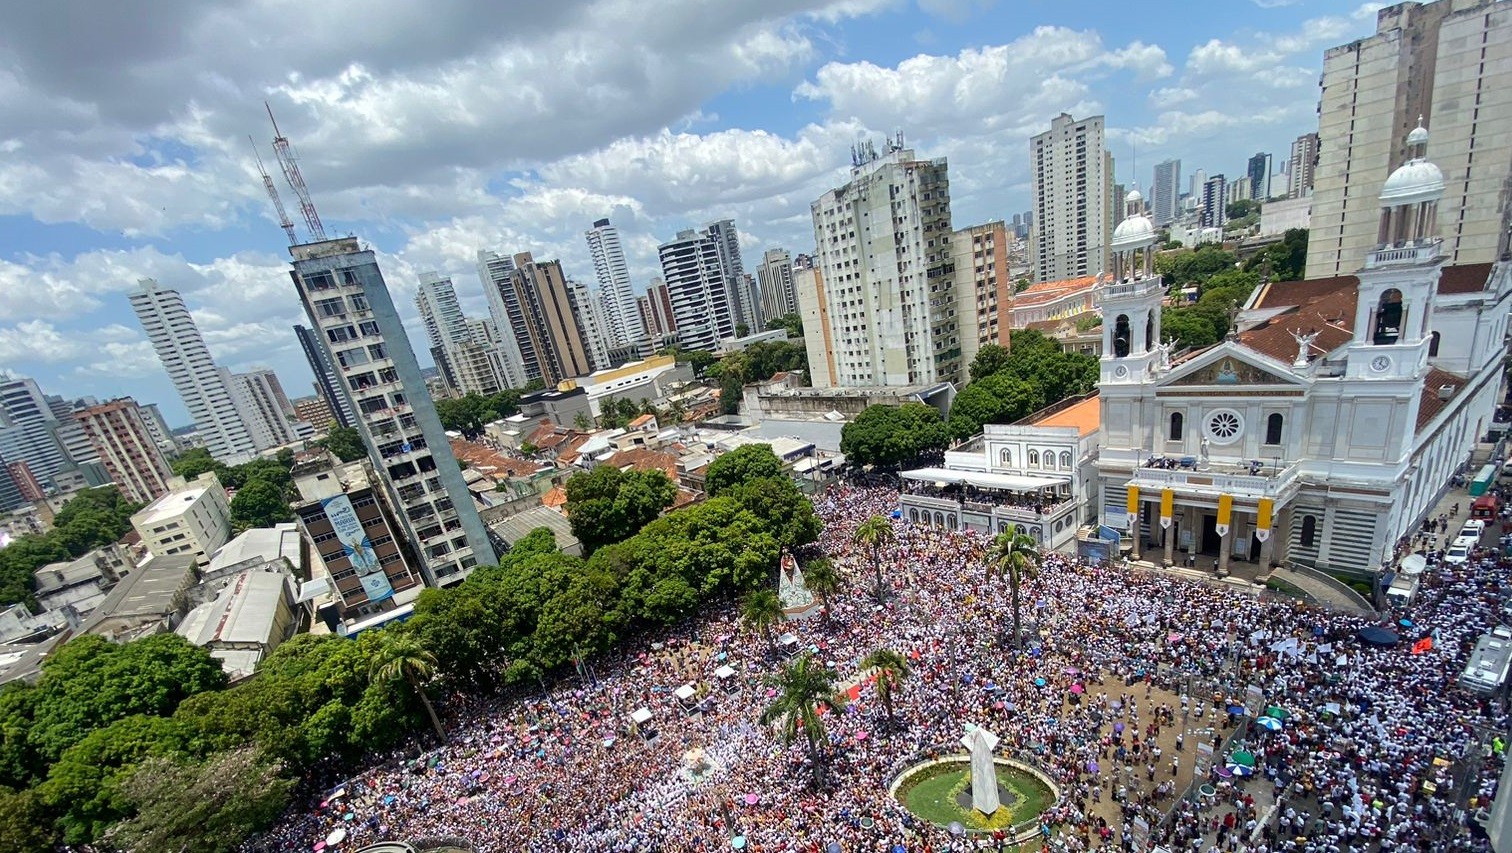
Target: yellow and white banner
x,y
1263,519
1167,507
1225,514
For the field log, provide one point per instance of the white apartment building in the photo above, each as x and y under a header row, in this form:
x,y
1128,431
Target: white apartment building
x,y
593,324
264,407
202,386
698,284
1165,193
195,520
1072,177
125,447
613,275
1448,62
983,290
808,286
774,278
1302,166
495,271
883,265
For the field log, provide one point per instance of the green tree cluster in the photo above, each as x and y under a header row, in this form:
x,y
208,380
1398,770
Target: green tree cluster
x,y
1008,384
754,363
263,487
891,436
91,519
792,322
606,504
618,412
1283,261
345,443
468,414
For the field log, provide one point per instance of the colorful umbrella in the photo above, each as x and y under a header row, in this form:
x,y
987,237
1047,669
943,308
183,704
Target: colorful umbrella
x,y
1270,724
1277,712
1243,757
1240,770
1078,689
738,842
337,836
1039,682
752,799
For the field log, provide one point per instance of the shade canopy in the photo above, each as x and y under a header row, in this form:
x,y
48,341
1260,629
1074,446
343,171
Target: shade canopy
x,y
640,716
985,480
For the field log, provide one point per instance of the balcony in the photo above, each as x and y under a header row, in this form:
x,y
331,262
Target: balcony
x,y
1410,254
1212,480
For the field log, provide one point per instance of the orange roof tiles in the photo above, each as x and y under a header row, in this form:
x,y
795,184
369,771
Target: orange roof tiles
x,y
555,497
1324,305
1464,278
645,459
1431,404
484,458
1086,416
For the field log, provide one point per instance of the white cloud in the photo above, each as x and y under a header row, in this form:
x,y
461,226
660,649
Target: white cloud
x,y
955,11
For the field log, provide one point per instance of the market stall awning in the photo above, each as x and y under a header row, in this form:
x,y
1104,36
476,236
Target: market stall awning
x,y
724,672
985,480
640,716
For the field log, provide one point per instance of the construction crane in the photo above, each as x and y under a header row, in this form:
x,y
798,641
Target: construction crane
x,y
285,154
283,216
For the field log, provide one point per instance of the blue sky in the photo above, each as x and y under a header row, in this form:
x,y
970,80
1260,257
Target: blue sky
x,y
435,129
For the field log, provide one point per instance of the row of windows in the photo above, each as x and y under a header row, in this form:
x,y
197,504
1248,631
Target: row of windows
x,y
1034,459
1274,423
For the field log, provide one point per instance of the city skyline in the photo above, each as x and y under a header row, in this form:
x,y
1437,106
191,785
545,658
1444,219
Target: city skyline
x,y
755,125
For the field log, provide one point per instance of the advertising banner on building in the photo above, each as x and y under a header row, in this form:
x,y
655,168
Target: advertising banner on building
x,y
359,550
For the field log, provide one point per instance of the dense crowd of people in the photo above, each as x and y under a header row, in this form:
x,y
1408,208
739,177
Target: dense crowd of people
x,y
1123,674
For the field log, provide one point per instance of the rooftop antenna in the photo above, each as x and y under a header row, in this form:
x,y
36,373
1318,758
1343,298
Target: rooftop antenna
x,y
283,216
285,154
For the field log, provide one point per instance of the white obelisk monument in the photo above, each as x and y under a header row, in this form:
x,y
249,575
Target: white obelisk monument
x,y
984,786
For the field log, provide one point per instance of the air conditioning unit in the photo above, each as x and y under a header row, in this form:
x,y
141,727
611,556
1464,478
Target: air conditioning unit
x,y
1445,392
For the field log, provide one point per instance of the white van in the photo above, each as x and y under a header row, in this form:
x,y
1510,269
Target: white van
x,y
1458,554
1474,527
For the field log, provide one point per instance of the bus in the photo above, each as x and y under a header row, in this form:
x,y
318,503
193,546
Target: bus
x,y
1487,670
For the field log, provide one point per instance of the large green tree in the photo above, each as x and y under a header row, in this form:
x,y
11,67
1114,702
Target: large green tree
x,y
891,436
890,669
606,504
401,658
741,465
874,535
345,443
259,503
207,806
1015,558
786,512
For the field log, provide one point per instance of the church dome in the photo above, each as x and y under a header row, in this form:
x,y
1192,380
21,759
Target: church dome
x,y
1419,135
1135,232
1133,196
1413,182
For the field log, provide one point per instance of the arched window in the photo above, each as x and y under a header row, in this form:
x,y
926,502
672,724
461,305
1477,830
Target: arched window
x,y
1066,461
1034,458
1433,344
913,515
1050,459
1006,456
1389,317
1121,336
1149,341
1176,427
1273,426
1309,530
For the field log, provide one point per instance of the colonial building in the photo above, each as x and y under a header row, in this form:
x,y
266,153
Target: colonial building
x,y
1326,424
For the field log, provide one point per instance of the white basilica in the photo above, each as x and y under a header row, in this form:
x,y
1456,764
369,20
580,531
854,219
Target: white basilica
x,y
1330,419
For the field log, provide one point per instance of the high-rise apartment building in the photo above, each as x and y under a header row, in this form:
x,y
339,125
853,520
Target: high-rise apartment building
x,y
157,427
327,385
200,384
11,495
1165,193
28,428
125,446
548,329
445,325
588,308
517,360
774,278
983,291
315,411
1214,210
1072,181
613,274
1238,190
883,269
345,297
1448,63
1258,170
744,296
1194,187
1302,166
698,286
264,407
813,309
656,310
31,488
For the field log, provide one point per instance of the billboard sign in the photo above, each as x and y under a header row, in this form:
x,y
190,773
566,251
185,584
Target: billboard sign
x,y
358,549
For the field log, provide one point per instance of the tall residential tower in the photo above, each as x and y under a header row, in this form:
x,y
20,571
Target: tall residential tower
x,y
1072,180
613,275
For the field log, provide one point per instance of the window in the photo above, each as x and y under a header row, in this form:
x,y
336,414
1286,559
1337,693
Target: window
x,y
369,328
1006,456
1389,316
338,334
1176,427
1121,336
1309,530
352,357
1066,460
1273,426
1433,344
1034,458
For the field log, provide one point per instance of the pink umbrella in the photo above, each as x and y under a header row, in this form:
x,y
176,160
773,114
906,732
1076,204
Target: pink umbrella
x,y
1077,688
1174,638
861,735
319,846
752,799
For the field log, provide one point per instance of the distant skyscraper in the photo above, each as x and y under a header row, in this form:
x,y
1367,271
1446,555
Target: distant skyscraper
x,y
775,279
693,266
28,428
877,290
445,325
1214,202
744,297
1302,165
1072,211
613,275
1259,174
517,360
345,297
983,291
1448,64
547,327
11,494
199,383
1165,194
264,407
1194,187
326,381
588,308
125,446
656,310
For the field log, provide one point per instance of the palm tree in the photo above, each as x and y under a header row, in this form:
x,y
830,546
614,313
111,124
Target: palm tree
x,y
761,609
403,658
803,688
891,668
822,580
1015,557
874,534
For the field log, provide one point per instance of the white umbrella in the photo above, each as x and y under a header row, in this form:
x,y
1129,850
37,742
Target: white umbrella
x,y
337,836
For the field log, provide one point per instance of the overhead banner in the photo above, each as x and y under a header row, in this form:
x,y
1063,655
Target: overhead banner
x,y
1167,507
1133,506
1263,519
355,544
1225,514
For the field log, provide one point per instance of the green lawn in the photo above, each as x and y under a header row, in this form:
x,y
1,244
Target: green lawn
x,y
931,795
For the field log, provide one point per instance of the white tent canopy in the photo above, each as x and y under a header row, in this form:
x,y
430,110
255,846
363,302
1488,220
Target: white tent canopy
x,y
985,480
640,716
685,693
724,673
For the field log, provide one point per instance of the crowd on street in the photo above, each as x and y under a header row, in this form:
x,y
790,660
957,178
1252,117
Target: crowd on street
x,y
1123,675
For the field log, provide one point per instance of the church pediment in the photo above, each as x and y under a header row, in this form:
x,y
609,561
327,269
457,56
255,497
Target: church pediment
x,y
1231,367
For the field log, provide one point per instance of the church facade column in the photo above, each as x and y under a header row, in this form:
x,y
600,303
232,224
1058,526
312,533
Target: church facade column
x,y
1136,531
1170,535
1225,545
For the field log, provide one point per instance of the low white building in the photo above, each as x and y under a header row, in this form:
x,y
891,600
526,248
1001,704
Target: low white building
x,y
195,520
1282,215
257,546
1035,477
82,583
651,379
250,617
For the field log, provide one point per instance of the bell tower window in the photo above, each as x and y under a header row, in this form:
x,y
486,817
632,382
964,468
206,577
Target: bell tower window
x,y
1121,336
1389,317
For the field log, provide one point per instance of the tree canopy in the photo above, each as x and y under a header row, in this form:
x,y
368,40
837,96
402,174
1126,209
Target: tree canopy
x,y
91,519
606,504
741,465
1009,384
792,322
468,414
890,436
344,442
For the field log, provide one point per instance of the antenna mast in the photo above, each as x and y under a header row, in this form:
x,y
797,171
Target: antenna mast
x,y
285,154
283,216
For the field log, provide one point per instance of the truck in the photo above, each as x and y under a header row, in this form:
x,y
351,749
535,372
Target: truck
x,y
1486,672
1403,589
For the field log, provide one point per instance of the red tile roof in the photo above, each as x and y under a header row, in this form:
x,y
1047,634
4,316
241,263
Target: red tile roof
x,y
486,459
1324,306
1431,404
1464,278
